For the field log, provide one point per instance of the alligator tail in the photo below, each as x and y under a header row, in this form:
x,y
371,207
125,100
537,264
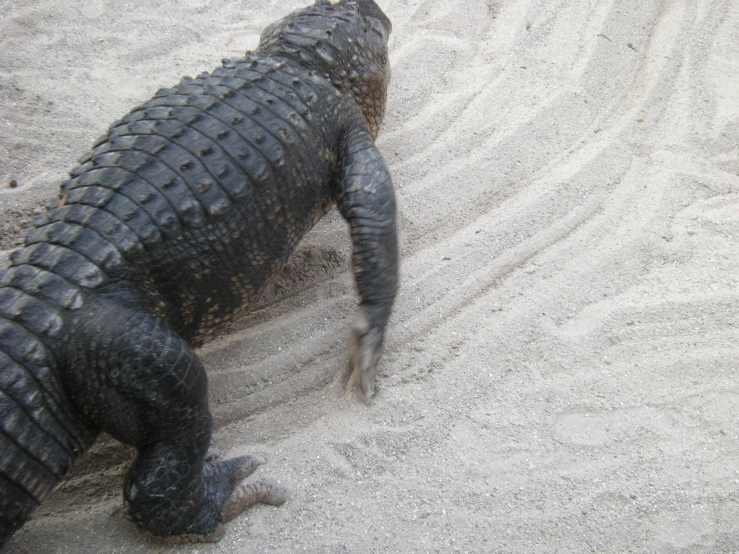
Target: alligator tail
x,y
40,433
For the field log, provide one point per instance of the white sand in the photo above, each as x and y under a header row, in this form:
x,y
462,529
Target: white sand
x,y
561,373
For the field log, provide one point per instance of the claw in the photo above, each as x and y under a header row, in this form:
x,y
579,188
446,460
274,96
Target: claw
x,y
212,457
365,345
249,465
237,469
245,496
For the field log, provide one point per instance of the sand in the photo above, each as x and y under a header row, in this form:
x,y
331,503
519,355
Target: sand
x,y
561,371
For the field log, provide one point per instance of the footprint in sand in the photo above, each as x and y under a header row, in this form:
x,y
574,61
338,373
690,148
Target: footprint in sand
x,y
91,10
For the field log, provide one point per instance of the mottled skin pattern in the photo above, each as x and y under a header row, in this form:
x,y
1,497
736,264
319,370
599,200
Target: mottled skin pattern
x,y
168,230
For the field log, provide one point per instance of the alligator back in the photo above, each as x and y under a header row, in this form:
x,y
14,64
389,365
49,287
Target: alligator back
x,y
198,196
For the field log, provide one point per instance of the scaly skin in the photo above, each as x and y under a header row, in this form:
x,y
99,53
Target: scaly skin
x,y
169,230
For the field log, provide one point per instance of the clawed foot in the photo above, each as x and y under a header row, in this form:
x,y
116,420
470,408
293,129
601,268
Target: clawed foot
x,y
233,496
222,476
365,346
227,497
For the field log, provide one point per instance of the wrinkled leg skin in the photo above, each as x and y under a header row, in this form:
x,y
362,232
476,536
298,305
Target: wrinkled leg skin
x,y
156,399
368,204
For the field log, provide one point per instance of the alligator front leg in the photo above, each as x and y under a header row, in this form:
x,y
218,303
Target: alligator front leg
x,y
367,202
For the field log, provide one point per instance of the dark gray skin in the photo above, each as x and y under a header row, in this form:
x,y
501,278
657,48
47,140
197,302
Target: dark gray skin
x,y
169,230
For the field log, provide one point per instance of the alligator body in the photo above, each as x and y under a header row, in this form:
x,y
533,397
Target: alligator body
x,y
168,230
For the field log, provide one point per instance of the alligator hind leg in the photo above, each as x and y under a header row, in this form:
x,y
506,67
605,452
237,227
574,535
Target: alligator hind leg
x,y
152,394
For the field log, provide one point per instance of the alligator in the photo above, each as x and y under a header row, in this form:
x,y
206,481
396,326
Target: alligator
x,y
169,230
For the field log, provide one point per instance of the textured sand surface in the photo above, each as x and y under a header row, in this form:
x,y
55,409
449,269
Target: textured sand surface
x,y
562,369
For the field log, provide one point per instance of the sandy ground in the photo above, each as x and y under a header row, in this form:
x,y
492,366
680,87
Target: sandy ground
x,y
561,373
